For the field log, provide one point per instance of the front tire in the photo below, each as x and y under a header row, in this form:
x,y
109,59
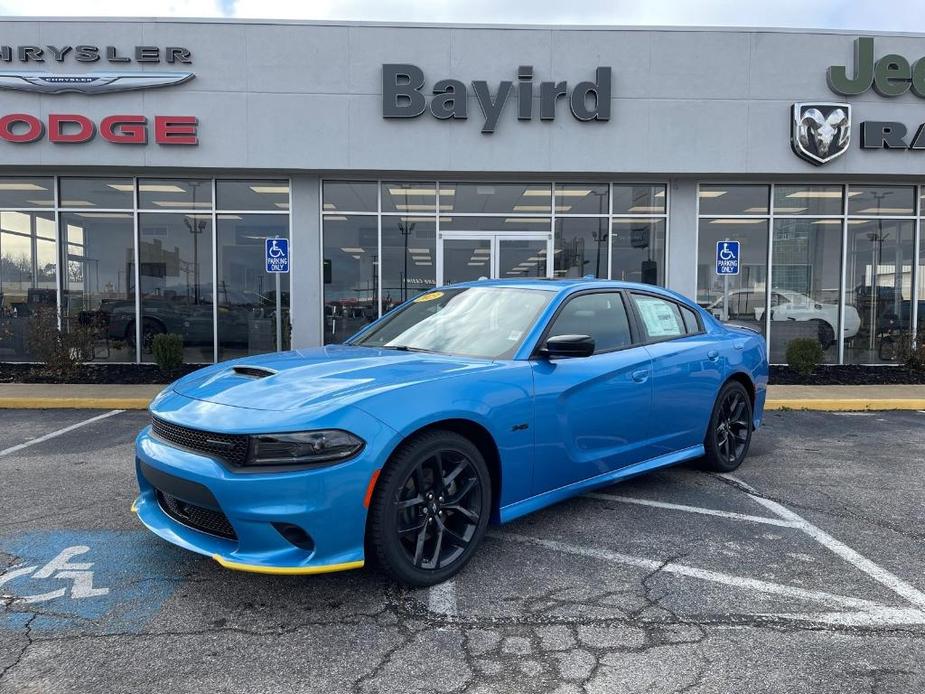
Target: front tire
x,y
730,432
430,508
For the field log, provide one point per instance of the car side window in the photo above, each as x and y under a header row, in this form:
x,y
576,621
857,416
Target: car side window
x,y
600,315
661,318
691,324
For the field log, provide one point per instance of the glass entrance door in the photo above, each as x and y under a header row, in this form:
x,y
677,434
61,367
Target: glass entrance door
x,y
466,256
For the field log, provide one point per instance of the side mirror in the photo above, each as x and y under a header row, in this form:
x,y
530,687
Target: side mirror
x,y
569,346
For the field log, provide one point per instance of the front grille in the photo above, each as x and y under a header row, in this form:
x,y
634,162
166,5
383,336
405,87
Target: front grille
x,y
232,448
196,517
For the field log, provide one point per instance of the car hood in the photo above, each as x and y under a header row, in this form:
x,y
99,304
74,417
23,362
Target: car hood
x,y
325,376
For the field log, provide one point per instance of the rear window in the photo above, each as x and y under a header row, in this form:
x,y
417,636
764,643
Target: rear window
x,y
661,319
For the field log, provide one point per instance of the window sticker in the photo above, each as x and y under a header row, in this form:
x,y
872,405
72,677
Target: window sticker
x,y
430,296
514,335
658,316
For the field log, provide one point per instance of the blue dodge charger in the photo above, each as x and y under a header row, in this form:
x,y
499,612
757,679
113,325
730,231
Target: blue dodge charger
x,y
475,403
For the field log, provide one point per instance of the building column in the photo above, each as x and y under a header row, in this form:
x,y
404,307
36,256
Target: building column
x,y
305,283
682,237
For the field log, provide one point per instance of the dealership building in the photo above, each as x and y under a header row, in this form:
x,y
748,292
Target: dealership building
x,y
256,185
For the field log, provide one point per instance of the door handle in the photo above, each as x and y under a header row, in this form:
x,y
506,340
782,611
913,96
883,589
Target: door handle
x,y
641,375
713,355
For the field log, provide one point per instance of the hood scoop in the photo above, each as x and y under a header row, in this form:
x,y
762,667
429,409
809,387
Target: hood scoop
x,y
253,371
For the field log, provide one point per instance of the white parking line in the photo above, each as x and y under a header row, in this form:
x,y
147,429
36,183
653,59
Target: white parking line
x,y
840,601
692,509
878,573
40,439
441,599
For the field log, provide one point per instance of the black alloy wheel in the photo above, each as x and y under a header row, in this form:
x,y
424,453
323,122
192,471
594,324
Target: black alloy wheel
x,y
730,432
430,508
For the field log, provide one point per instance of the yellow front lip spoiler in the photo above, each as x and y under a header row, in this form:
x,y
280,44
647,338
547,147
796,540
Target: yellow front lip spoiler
x,y
287,570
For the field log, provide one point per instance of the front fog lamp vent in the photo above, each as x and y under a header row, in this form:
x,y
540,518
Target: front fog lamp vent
x,y
296,536
305,448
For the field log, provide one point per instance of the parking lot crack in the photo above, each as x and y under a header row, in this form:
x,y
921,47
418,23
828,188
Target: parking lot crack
x,y
27,633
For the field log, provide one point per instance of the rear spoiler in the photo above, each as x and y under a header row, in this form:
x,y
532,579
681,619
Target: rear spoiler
x,y
743,326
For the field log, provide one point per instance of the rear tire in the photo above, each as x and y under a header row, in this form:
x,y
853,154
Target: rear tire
x,y
730,431
430,508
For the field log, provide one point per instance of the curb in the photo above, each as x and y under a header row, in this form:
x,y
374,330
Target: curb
x,y
75,403
846,404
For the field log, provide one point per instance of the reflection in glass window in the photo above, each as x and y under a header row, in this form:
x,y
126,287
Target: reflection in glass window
x,y
879,288
805,288
638,199
739,298
27,277
733,199
638,250
350,196
253,195
808,200
409,258
601,315
414,198
881,200
583,198
350,256
176,281
99,281
100,193
27,192
248,311
582,247
500,198
175,193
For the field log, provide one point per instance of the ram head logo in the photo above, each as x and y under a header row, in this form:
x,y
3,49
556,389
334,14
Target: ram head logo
x,y
820,132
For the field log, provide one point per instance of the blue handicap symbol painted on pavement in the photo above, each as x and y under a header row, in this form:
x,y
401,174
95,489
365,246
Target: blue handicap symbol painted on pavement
x,y
727,257
65,580
277,255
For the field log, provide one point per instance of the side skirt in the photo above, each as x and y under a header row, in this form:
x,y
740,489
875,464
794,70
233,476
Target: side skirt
x,y
534,503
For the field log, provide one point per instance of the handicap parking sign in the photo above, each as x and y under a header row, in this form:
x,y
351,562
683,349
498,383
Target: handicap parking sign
x,y
277,255
727,257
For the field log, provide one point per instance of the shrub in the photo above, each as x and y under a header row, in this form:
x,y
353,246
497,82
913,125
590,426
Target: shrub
x,y
60,352
168,352
911,352
804,355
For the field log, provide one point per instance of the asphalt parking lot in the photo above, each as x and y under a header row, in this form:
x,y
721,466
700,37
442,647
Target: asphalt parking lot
x,y
802,573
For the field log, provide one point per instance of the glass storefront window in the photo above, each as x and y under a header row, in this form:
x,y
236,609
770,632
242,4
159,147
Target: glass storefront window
x,y
409,258
180,194
583,198
350,196
808,200
638,250
248,309
252,195
99,280
175,265
881,200
638,199
413,198
879,288
806,286
27,192
733,199
99,193
27,277
582,247
456,223
500,198
350,257
741,297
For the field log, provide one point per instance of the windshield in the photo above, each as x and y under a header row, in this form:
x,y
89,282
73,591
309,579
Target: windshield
x,y
486,322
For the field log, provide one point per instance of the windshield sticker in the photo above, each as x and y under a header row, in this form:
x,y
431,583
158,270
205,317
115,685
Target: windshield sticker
x,y
430,296
515,335
659,318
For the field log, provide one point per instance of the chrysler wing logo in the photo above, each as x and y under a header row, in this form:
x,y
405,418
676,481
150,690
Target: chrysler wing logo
x,y
88,82
820,132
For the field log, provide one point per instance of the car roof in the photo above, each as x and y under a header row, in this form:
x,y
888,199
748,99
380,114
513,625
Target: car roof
x,y
565,285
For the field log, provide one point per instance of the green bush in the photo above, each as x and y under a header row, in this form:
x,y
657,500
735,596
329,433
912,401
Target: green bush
x,y
911,352
804,355
168,352
60,352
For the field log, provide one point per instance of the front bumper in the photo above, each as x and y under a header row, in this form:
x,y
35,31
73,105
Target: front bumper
x,y
327,503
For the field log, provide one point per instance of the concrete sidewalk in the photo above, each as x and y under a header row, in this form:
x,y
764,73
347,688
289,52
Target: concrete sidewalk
x,y
135,397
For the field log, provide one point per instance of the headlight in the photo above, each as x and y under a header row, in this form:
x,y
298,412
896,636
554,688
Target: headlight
x,y
305,447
